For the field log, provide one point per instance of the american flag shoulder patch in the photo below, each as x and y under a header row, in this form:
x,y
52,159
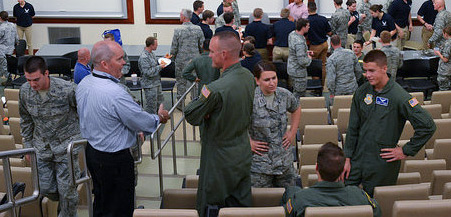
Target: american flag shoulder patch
x,y
413,102
205,91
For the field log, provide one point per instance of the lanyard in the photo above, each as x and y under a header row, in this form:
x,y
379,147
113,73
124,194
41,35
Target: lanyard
x,y
104,77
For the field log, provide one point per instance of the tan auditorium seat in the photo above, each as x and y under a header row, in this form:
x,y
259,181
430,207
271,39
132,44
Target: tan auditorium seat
x,y
442,150
443,98
192,181
11,94
435,110
424,167
340,211
313,117
447,191
179,198
442,132
14,124
422,208
304,172
165,213
320,134
439,179
308,154
266,197
387,195
252,212
343,119
312,102
344,101
409,178
13,109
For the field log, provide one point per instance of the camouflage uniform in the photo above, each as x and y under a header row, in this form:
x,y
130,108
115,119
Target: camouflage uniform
x,y
150,81
3,64
442,20
8,37
126,68
220,22
339,24
186,45
386,6
444,69
48,125
394,59
269,124
342,77
298,61
365,26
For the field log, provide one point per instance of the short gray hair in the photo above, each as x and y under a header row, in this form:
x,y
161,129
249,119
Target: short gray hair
x,y
101,52
187,13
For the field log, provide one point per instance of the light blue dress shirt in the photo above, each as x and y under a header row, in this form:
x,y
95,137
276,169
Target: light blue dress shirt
x,y
109,118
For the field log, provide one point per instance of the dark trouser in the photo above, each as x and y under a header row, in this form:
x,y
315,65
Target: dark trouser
x,y
113,179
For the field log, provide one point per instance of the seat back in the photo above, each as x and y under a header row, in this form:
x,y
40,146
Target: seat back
x,y
68,40
439,179
281,70
424,167
419,96
179,198
435,110
340,211
343,119
315,68
407,132
20,63
308,154
60,66
412,208
305,171
387,195
313,102
7,143
191,181
442,150
12,64
278,211
313,117
447,191
11,94
443,98
341,102
14,124
165,213
13,109
442,132
320,134
409,178
267,197
21,47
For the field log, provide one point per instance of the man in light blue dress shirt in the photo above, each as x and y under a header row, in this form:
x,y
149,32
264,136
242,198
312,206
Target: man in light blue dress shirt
x,y
110,120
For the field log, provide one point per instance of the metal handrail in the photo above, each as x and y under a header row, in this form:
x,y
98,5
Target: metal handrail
x,y
171,136
12,203
86,178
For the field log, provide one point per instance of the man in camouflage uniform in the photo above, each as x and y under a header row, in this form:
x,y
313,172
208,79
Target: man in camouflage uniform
x,y
298,58
3,63
272,160
342,76
228,7
365,26
444,66
150,76
394,56
49,122
186,45
339,22
442,20
8,34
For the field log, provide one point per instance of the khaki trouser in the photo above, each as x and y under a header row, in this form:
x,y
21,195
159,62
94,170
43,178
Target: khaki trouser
x,y
320,52
351,39
400,42
280,54
27,30
425,35
264,53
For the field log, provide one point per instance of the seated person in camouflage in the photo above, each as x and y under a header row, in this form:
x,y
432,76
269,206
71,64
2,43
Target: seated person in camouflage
x,y
271,142
444,66
330,190
394,56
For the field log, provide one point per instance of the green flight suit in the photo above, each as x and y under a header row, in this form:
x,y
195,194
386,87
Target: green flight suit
x,y
223,112
204,71
323,194
376,121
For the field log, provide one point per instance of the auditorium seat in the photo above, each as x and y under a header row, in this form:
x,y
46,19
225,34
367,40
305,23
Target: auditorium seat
x,y
304,172
343,119
277,211
340,211
191,181
14,124
312,179
308,154
443,98
313,117
7,143
387,195
344,101
420,208
409,178
439,179
266,197
424,167
407,132
435,110
421,154
13,109
4,129
419,96
447,115
11,94
320,134
179,198
442,132
312,102
442,150
447,191
165,213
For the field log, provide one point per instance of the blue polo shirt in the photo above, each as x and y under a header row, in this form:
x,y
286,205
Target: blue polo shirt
x,y
24,15
319,27
81,71
427,12
353,28
400,10
227,28
220,9
385,23
281,30
195,19
260,31
208,33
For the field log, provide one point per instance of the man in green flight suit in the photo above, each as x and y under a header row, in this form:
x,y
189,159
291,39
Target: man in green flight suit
x,y
223,111
330,189
379,111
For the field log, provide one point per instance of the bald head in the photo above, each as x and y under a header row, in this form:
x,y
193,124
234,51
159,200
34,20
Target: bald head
x,y
84,56
229,42
108,56
225,49
439,5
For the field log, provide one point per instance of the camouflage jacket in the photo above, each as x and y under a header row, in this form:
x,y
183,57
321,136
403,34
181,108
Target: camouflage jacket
x,y
186,43
445,68
150,69
394,59
269,124
339,22
442,20
3,63
364,8
8,37
298,60
343,71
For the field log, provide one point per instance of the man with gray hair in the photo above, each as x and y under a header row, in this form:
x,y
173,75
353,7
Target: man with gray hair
x,y
442,20
110,120
186,45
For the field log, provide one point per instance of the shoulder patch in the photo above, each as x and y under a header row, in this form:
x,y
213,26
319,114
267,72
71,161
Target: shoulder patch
x,y
413,102
289,206
205,91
